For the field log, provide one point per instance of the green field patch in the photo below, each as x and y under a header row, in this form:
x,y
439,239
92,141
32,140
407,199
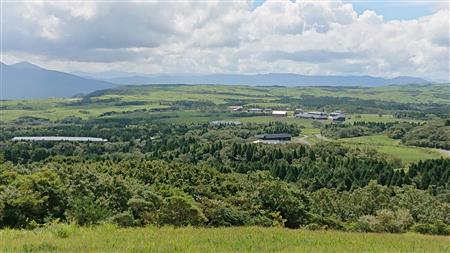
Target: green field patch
x,y
108,238
385,118
393,148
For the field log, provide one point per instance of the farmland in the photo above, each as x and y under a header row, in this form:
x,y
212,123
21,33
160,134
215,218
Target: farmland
x,y
157,97
171,104
390,147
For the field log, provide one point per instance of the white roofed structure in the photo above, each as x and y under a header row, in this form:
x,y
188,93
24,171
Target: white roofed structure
x,y
279,113
57,138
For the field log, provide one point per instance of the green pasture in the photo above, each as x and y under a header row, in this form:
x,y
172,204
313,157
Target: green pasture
x,y
154,96
390,147
108,238
385,118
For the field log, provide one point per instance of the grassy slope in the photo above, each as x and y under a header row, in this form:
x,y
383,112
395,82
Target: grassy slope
x,y
386,145
107,238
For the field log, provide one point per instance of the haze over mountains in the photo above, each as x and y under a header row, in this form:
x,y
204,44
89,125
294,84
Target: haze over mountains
x,y
26,80
283,79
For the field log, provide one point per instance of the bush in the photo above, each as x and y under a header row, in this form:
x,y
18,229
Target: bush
x,y
145,209
84,211
423,228
181,211
367,223
437,228
124,219
327,222
313,226
226,216
385,221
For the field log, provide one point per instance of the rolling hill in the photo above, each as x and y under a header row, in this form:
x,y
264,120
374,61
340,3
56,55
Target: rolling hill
x,y
283,79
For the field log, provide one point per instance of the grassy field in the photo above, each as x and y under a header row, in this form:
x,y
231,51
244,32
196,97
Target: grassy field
x,y
150,97
141,101
385,118
390,147
108,238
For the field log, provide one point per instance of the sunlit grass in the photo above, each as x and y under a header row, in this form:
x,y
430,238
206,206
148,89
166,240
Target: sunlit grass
x,y
108,238
390,147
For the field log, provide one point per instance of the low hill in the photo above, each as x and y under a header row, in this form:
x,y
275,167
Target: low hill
x,y
269,79
25,80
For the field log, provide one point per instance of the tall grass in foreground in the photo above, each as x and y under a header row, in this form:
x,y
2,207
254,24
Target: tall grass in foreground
x,y
108,238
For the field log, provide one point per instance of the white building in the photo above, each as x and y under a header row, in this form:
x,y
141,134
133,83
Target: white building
x,y
235,108
57,138
279,113
255,110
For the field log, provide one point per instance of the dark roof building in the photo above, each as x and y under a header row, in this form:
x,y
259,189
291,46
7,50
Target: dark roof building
x,y
279,137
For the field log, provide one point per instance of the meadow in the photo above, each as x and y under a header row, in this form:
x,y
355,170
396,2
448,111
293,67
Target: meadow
x,y
392,148
109,238
156,96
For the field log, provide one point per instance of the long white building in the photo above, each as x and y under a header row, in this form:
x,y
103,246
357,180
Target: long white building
x,y
57,138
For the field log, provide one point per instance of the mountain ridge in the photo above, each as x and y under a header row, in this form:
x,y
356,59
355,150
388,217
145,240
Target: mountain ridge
x,y
25,80
283,79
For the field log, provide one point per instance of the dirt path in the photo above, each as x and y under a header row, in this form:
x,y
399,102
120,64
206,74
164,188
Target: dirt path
x,y
303,140
443,151
320,137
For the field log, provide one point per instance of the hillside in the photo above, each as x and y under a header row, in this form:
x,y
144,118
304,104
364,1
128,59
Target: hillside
x,y
25,80
269,79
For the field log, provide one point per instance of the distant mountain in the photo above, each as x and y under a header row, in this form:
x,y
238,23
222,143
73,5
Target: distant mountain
x,y
26,80
268,79
105,75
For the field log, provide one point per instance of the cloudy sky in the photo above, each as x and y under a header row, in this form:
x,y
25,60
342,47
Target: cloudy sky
x,y
379,38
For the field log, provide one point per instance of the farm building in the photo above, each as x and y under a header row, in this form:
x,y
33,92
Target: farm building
x,y
269,142
312,115
255,110
337,116
273,137
279,113
57,138
224,123
235,108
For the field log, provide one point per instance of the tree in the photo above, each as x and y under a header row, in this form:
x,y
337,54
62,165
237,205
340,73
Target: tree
x,y
181,211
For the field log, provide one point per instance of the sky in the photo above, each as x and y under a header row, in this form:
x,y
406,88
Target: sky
x,y
379,37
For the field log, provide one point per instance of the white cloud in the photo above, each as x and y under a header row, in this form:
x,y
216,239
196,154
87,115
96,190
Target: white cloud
x,y
223,37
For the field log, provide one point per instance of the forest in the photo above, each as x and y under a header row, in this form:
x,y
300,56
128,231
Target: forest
x,y
206,175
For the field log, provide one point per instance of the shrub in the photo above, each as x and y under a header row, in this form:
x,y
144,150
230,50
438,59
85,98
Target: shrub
x,y
84,211
423,228
226,216
181,211
437,228
124,219
385,221
313,226
367,223
327,222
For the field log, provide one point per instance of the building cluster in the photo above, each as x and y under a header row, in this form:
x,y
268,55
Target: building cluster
x,y
337,116
225,123
238,108
273,138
